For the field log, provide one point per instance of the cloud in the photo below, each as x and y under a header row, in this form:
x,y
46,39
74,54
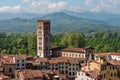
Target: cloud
x,y
88,2
57,6
111,6
26,1
13,9
75,9
45,6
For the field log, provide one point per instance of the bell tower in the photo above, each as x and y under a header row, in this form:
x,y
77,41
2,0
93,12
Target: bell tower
x,y
43,38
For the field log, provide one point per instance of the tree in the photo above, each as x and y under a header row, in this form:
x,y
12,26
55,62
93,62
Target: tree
x,y
32,43
4,51
73,39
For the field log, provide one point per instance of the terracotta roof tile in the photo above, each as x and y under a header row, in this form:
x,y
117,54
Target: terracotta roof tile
x,y
114,62
53,61
28,73
63,60
107,54
4,77
43,59
79,50
73,61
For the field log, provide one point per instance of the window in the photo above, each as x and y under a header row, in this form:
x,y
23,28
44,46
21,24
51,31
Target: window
x,y
69,73
40,43
22,60
40,38
113,67
62,67
76,55
104,75
62,72
46,39
39,27
40,48
46,48
115,74
73,69
22,64
17,60
40,32
82,56
73,73
17,64
46,27
111,74
72,55
10,69
66,71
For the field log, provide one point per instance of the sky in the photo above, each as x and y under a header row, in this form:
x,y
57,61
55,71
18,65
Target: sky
x,y
49,6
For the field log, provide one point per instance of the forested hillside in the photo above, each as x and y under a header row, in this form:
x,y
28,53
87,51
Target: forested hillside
x,y
103,41
16,43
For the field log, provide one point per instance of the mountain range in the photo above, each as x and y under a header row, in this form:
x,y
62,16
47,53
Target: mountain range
x,y
64,21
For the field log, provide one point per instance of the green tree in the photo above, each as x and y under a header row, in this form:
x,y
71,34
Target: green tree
x,y
4,51
73,39
32,43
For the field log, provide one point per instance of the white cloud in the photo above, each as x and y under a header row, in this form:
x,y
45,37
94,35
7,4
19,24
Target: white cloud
x,y
111,6
26,1
75,9
44,7
13,9
88,2
57,6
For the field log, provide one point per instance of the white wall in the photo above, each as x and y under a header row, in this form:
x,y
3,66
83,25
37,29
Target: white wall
x,y
82,76
115,57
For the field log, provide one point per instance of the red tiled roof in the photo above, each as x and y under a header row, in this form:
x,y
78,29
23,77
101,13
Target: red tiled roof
x,y
28,73
79,50
20,57
114,62
4,77
53,61
73,61
43,59
63,60
108,53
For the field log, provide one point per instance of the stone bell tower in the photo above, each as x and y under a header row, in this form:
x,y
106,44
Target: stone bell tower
x,y
43,38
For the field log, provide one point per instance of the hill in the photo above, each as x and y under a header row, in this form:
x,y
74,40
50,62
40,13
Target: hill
x,y
5,16
60,22
93,15
114,21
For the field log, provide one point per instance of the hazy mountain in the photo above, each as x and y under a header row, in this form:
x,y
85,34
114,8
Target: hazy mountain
x,y
93,15
114,21
64,22
60,22
4,16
